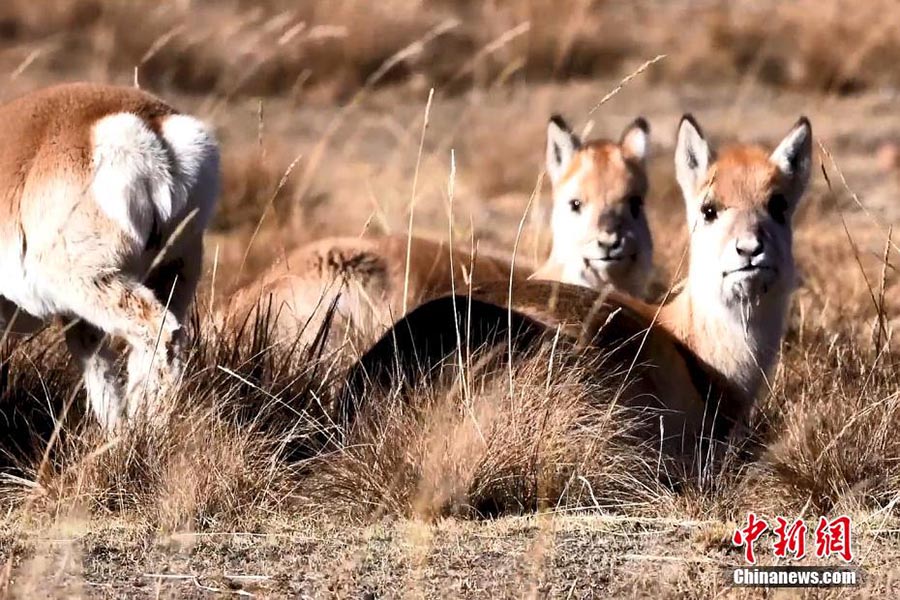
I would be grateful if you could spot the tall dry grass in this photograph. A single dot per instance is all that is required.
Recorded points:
(222, 454)
(328, 50)
(477, 448)
(250, 438)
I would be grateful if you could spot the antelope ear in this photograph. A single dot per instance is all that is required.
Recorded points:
(562, 144)
(635, 141)
(793, 156)
(692, 157)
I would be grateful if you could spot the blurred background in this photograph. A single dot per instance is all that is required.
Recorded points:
(320, 104)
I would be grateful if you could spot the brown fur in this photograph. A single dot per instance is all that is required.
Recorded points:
(666, 378)
(694, 366)
(607, 173)
(600, 236)
(742, 176)
(96, 179)
(47, 134)
(364, 277)
(591, 318)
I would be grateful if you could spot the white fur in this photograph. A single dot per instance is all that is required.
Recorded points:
(133, 180)
(692, 159)
(737, 320)
(793, 156)
(102, 388)
(22, 277)
(561, 147)
(196, 154)
(604, 215)
(80, 251)
(636, 143)
(741, 339)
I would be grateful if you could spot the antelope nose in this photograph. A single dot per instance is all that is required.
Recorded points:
(749, 246)
(610, 242)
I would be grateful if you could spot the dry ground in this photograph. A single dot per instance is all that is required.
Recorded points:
(555, 555)
(541, 493)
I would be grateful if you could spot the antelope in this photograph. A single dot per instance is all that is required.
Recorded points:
(700, 359)
(107, 193)
(600, 232)
(600, 238)
(364, 279)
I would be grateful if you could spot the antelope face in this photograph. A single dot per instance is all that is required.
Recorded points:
(740, 206)
(600, 232)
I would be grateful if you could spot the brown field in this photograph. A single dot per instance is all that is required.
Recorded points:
(319, 106)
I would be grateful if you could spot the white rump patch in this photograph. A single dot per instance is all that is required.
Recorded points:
(196, 155)
(132, 175)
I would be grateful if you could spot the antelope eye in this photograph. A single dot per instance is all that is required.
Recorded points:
(635, 203)
(575, 205)
(778, 207)
(710, 212)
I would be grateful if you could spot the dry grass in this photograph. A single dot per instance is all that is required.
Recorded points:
(481, 450)
(831, 446)
(316, 51)
(252, 451)
(220, 457)
(427, 497)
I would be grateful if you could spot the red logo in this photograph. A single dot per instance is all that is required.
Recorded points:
(791, 540)
(748, 535)
(833, 537)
